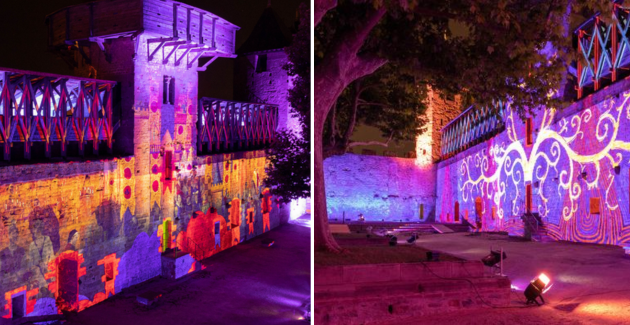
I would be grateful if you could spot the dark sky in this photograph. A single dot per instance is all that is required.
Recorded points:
(23, 35)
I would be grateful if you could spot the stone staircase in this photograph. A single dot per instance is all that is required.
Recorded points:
(534, 228)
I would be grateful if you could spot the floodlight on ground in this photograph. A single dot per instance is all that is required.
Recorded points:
(267, 242)
(536, 288)
(493, 258)
(393, 240)
(412, 239)
(433, 256)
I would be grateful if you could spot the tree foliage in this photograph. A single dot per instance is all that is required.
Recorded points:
(390, 100)
(289, 156)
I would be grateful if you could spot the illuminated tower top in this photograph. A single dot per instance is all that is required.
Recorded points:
(174, 31)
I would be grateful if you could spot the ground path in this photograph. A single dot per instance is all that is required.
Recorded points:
(246, 284)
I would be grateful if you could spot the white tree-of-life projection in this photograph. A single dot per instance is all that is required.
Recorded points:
(569, 157)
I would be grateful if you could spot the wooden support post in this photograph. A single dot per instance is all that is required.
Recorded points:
(79, 121)
(110, 123)
(6, 118)
(94, 125)
(47, 109)
(597, 56)
(62, 116)
(27, 105)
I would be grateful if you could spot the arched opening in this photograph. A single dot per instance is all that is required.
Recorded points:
(68, 282)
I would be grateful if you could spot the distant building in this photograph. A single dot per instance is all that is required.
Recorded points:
(258, 73)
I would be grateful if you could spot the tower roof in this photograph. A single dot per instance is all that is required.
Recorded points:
(268, 34)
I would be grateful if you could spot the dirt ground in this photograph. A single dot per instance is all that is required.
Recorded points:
(591, 283)
(247, 284)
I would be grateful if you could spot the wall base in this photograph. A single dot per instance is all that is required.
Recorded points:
(176, 266)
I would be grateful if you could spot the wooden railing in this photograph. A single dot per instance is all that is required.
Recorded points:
(474, 125)
(38, 107)
(603, 50)
(227, 126)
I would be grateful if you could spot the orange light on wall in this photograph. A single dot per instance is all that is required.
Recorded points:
(594, 205)
(110, 264)
(66, 269)
(266, 208)
(30, 303)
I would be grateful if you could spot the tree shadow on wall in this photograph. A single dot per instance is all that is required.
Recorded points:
(108, 218)
(46, 221)
(131, 228)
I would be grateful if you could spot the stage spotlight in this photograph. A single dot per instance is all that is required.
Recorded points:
(493, 258)
(267, 242)
(393, 241)
(412, 239)
(536, 288)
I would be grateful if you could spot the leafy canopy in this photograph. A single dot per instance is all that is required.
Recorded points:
(289, 157)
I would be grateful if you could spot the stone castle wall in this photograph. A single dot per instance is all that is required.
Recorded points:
(575, 167)
(269, 86)
(381, 188)
(74, 233)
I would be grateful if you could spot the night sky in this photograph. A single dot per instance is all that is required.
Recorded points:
(23, 36)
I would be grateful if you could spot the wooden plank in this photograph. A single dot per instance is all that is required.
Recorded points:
(117, 16)
(59, 28)
(79, 22)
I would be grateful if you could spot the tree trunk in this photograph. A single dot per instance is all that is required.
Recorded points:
(325, 97)
(340, 67)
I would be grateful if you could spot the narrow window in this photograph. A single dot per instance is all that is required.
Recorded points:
(529, 129)
(456, 211)
(261, 63)
(18, 306)
(168, 90)
(528, 198)
(168, 165)
(109, 271)
(594, 205)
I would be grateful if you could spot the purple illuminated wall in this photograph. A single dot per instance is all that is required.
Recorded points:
(379, 187)
(75, 233)
(576, 167)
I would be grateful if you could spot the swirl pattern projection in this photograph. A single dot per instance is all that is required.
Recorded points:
(575, 167)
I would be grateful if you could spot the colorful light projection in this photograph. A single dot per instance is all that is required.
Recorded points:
(570, 161)
(57, 231)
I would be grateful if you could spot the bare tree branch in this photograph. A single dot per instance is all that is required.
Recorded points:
(322, 7)
(372, 143)
(355, 106)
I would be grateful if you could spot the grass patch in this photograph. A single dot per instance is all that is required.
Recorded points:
(375, 254)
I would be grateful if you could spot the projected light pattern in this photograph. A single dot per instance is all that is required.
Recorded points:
(570, 161)
(86, 226)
